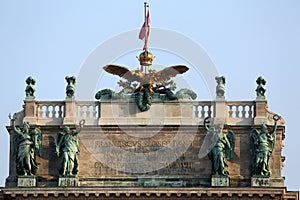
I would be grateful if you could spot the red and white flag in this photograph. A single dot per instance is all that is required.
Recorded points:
(145, 30)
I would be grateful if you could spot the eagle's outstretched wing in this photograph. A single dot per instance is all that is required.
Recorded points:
(124, 72)
(169, 72)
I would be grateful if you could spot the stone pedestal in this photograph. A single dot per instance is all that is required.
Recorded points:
(261, 111)
(67, 182)
(219, 181)
(26, 181)
(220, 111)
(70, 112)
(30, 111)
(260, 181)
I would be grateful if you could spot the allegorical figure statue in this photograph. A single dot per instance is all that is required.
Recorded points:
(220, 89)
(67, 147)
(70, 89)
(261, 88)
(220, 148)
(27, 144)
(30, 88)
(261, 147)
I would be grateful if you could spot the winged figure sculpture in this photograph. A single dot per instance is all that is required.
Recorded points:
(262, 144)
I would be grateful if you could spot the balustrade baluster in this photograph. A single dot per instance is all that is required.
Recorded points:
(250, 112)
(196, 111)
(230, 112)
(209, 111)
(237, 112)
(202, 111)
(81, 111)
(244, 111)
(60, 107)
(53, 111)
(88, 111)
(47, 111)
(40, 112)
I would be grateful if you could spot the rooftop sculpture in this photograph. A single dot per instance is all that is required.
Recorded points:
(145, 81)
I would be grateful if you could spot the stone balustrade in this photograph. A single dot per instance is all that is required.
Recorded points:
(88, 109)
(119, 111)
(203, 109)
(50, 109)
(240, 112)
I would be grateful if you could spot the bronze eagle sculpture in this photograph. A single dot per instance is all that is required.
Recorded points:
(147, 83)
(153, 76)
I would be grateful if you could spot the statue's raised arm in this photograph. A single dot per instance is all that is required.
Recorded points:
(261, 147)
(26, 146)
(275, 118)
(67, 147)
(13, 123)
(81, 124)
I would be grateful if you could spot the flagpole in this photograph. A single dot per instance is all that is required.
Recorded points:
(145, 5)
(145, 13)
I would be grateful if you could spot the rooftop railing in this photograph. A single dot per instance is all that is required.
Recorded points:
(94, 112)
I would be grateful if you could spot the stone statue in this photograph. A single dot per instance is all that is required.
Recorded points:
(220, 148)
(261, 147)
(27, 144)
(220, 89)
(70, 89)
(30, 88)
(260, 89)
(67, 147)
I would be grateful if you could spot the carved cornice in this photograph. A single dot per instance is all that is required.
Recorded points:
(158, 192)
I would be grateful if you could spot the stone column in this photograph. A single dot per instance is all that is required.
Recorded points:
(30, 112)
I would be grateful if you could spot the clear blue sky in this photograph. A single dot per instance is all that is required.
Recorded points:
(244, 39)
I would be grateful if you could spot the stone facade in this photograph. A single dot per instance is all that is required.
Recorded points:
(110, 125)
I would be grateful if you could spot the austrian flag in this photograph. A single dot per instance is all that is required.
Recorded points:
(144, 32)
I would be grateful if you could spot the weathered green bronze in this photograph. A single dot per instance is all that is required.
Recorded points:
(220, 148)
(145, 82)
(30, 88)
(261, 147)
(260, 89)
(70, 89)
(26, 145)
(67, 147)
(144, 95)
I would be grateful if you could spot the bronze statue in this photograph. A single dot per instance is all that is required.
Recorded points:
(27, 144)
(261, 88)
(220, 147)
(145, 84)
(30, 88)
(67, 147)
(261, 147)
(70, 89)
